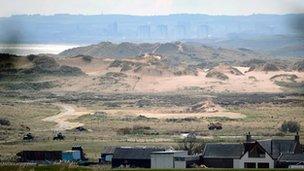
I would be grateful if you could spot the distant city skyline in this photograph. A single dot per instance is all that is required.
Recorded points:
(150, 7)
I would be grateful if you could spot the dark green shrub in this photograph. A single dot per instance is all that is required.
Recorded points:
(5, 122)
(290, 126)
(218, 75)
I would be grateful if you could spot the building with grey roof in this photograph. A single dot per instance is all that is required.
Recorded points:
(253, 154)
(133, 157)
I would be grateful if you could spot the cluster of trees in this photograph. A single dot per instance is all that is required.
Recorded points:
(290, 126)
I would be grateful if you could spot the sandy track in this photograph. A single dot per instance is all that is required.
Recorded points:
(68, 112)
(165, 114)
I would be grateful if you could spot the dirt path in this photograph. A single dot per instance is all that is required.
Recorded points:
(164, 114)
(68, 112)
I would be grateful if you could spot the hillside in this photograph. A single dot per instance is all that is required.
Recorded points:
(150, 68)
(31, 72)
(275, 45)
(175, 52)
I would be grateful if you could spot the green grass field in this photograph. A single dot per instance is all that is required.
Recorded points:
(262, 120)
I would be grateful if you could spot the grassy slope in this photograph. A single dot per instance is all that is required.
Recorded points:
(103, 132)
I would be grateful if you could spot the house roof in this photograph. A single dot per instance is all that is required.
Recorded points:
(223, 150)
(292, 158)
(277, 147)
(168, 152)
(252, 145)
(134, 152)
(109, 150)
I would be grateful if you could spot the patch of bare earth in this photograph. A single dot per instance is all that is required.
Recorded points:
(152, 79)
(164, 113)
(69, 112)
(235, 83)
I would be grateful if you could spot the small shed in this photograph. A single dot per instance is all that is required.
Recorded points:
(107, 155)
(172, 159)
(80, 149)
(71, 156)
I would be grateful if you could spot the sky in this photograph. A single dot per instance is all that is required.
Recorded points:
(150, 7)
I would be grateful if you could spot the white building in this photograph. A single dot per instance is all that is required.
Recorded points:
(254, 157)
(273, 153)
(171, 159)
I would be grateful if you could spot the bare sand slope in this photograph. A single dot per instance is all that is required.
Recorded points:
(154, 80)
(248, 83)
(68, 112)
(165, 113)
(95, 67)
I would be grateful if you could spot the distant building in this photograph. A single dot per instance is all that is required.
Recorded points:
(276, 147)
(107, 155)
(253, 154)
(39, 156)
(80, 149)
(181, 31)
(133, 157)
(144, 32)
(162, 31)
(221, 155)
(291, 161)
(71, 156)
(202, 31)
(172, 159)
(112, 30)
(74, 155)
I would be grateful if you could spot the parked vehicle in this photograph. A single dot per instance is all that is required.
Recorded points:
(28, 137)
(59, 136)
(213, 126)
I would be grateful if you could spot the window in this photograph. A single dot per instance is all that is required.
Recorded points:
(263, 165)
(249, 165)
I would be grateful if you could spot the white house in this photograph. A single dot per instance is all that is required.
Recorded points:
(273, 153)
(254, 157)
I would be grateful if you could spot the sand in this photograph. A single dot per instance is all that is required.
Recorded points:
(68, 112)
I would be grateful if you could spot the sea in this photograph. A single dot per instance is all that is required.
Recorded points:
(27, 49)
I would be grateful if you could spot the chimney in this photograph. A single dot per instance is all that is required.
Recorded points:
(248, 137)
(297, 137)
(249, 142)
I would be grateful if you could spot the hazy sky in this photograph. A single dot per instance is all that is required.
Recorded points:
(150, 7)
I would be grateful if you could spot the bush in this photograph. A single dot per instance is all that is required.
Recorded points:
(68, 70)
(179, 120)
(137, 129)
(87, 58)
(290, 126)
(5, 122)
(218, 75)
